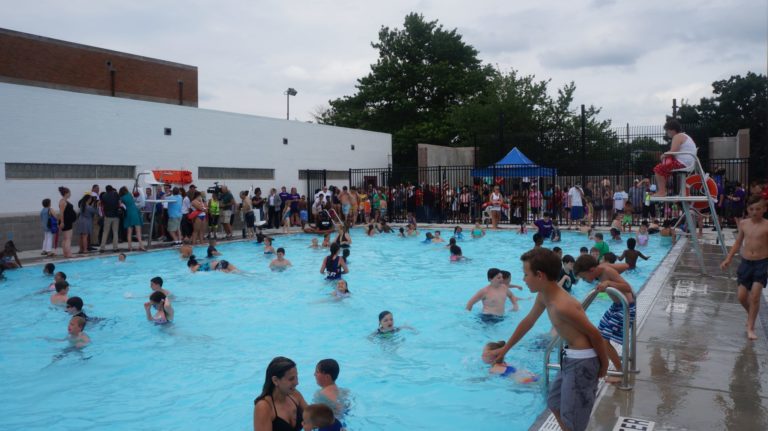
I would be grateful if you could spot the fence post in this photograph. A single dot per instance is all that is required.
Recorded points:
(583, 141)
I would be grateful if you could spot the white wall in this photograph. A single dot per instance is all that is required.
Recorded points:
(39, 125)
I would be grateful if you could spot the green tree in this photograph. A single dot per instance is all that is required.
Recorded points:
(738, 103)
(422, 71)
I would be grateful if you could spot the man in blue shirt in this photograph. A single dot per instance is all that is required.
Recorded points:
(174, 215)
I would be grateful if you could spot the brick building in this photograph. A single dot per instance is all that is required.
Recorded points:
(28, 59)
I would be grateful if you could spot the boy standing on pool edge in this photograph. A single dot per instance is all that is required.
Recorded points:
(753, 271)
(584, 361)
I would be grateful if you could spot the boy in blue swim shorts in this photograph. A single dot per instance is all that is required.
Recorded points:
(753, 271)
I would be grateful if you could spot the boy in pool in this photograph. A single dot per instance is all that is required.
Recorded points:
(503, 369)
(507, 276)
(59, 276)
(584, 250)
(320, 417)
(437, 237)
(456, 255)
(538, 240)
(612, 323)
(77, 337)
(584, 362)
(428, 238)
(156, 284)
(60, 297)
(493, 296)
(49, 269)
(314, 243)
(752, 274)
(280, 262)
(121, 257)
(326, 373)
(594, 252)
(567, 278)
(631, 255)
(601, 245)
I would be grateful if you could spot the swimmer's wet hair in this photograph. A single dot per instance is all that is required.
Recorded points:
(281, 250)
(568, 258)
(75, 302)
(493, 272)
(157, 296)
(192, 261)
(384, 314)
(455, 249)
(319, 415)
(754, 199)
(556, 249)
(60, 286)
(79, 321)
(598, 235)
(538, 238)
(157, 280)
(631, 242)
(506, 275)
(583, 250)
(49, 268)
(584, 263)
(330, 367)
(609, 257)
(543, 260)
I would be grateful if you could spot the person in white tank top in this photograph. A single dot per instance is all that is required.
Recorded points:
(680, 142)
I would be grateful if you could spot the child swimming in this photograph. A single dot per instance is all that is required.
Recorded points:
(387, 324)
(162, 304)
(503, 369)
(342, 290)
(279, 263)
(478, 231)
(268, 249)
(458, 233)
(631, 255)
(642, 234)
(456, 255)
(77, 337)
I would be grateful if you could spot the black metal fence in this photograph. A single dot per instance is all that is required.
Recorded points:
(459, 194)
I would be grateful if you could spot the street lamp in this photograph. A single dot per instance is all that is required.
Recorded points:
(288, 93)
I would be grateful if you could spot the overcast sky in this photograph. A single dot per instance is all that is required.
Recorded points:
(628, 57)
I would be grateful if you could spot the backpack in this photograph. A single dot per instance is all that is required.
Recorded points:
(53, 224)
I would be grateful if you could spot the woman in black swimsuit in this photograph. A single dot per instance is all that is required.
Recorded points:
(280, 405)
(67, 217)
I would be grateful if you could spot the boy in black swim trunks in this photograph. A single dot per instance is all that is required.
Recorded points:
(753, 270)
(572, 394)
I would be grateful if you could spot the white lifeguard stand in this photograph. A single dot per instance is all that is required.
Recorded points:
(687, 199)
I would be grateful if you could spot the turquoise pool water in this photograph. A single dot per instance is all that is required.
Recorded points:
(204, 371)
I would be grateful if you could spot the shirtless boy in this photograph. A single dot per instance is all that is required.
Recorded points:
(60, 297)
(77, 337)
(156, 284)
(753, 270)
(326, 373)
(572, 394)
(493, 296)
(280, 262)
(631, 255)
(612, 324)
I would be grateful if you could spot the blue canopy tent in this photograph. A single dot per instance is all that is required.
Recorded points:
(514, 164)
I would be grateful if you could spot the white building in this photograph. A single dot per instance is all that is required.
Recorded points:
(50, 138)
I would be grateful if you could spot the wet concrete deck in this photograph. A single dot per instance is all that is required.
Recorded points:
(698, 371)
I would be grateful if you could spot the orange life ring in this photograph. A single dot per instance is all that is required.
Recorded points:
(173, 177)
(695, 187)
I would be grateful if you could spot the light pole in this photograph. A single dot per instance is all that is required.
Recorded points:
(288, 93)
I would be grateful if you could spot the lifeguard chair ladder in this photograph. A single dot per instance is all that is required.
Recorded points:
(687, 201)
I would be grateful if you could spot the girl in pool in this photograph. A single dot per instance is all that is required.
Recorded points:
(458, 233)
(412, 230)
(326, 240)
(334, 265)
(402, 233)
(642, 234)
(162, 304)
(451, 242)
(437, 237)
(343, 238)
(342, 290)
(503, 369)
(387, 324)
(456, 253)
(478, 231)
(268, 249)
(314, 243)
(371, 231)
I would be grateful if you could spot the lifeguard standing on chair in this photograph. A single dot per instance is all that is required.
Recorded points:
(670, 163)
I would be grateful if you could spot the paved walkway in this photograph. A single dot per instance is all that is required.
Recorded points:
(698, 371)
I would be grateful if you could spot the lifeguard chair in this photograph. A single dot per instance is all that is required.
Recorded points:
(696, 192)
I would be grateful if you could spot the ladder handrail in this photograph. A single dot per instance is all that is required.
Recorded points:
(337, 220)
(628, 347)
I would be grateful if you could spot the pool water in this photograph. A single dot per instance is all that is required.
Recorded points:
(204, 370)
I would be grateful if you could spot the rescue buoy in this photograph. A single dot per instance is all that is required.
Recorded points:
(173, 177)
(695, 187)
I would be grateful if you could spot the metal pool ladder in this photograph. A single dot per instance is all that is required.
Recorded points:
(628, 348)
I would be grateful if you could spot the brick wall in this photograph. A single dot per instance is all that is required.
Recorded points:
(35, 60)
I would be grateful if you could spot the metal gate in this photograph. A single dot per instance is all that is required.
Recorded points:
(316, 179)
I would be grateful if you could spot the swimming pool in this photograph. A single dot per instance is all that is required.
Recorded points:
(204, 371)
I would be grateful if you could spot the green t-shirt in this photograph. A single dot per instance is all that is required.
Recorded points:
(602, 246)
